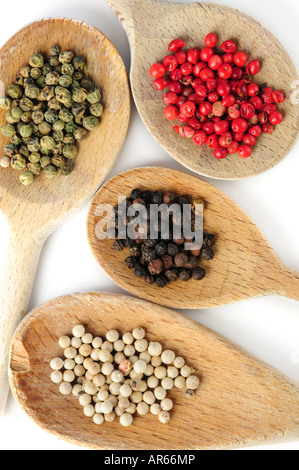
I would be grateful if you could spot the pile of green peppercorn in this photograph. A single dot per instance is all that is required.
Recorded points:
(50, 107)
(162, 261)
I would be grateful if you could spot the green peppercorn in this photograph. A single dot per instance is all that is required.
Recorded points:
(32, 92)
(70, 127)
(26, 117)
(65, 115)
(96, 109)
(8, 130)
(67, 69)
(18, 162)
(19, 80)
(35, 73)
(16, 140)
(14, 91)
(26, 178)
(66, 57)
(10, 150)
(10, 119)
(54, 61)
(58, 125)
(63, 94)
(50, 171)
(26, 104)
(80, 134)
(33, 145)
(79, 120)
(58, 161)
(55, 50)
(79, 63)
(52, 78)
(45, 161)
(69, 139)
(58, 149)
(94, 96)
(46, 93)
(70, 151)
(34, 168)
(65, 81)
(67, 168)
(79, 109)
(26, 130)
(54, 104)
(34, 157)
(36, 60)
(25, 71)
(44, 128)
(23, 149)
(90, 123)
(86, 84)
(17, 113)
(37, 116)
(51, 116)
(79, 94)
(58, 136)
(46, 68)
(78, 76)
(28, 81)
(47, 142)
(5, 103)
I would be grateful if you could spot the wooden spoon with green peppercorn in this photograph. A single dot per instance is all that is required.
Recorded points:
(244, 265)
(33, 212)
(152, 24)
(240, 400)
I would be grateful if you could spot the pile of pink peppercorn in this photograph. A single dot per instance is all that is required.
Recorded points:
(214, 97)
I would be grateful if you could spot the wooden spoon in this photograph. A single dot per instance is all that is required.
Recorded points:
(240, 402)
(34, 212)
(151, 25)
(244, 265)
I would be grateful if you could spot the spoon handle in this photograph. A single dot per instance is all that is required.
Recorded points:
(290, 284)
(16, 283)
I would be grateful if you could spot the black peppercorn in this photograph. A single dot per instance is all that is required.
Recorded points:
(167, 261)
(156, 198)
(139, 271)
(118, 245)
(135, 251)
(161, 281)
(136, 193)
(209, 240)
(207, 253)
(185, 275)
(128, 243)
(150, 243)
(155, 267)
(181, 260)
(192, 262)
(131, 262)
(149, 279)
(184, 200)
(172, 249)
(161, 249)
(198, 273)
(146, 196)
(169, 198)
(172, 274)
(148, 255)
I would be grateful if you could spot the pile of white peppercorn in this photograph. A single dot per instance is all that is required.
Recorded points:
(120, 375)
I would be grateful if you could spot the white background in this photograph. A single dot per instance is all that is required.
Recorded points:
(267, 327)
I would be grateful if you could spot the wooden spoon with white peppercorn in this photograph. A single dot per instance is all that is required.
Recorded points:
(152, 24)
(240, 400)
(32, 213)
(244, 265)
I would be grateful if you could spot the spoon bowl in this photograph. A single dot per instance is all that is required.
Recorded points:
(240, 402)
(244, 265)
(149, 42)
(32, 213)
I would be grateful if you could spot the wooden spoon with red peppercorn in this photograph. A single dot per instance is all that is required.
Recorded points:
(244, 265)
(152, 25)
(240, 401)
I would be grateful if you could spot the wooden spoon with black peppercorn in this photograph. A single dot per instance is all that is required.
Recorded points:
(32, 213)
(240, 401)
(152, 24)
(243, 265)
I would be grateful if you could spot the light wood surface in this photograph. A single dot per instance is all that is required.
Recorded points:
(32, 213)
(240, 402)
(151, 25)
(244, 265)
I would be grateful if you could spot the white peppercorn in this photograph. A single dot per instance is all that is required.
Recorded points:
(106, 407)
(155, 409)
(69, 364)
(77, 390)
(164, 417)
(97, 342)
(152, 382)
(156, 361)
(79, 370)
(168, 356)
(149, 398)
(112, 336)
(160, 393)
(99, 380)
(98, 418)
(79, 359)
(65, 388)
(78, 331)
(138, 333)
(107, 368)
(85, 350)
(192, 382)
(90, 388)
(128, 338)
(136, 397)
(123, 403)
(166, 404)
(126, 419)
(131, 409)
(167, 383)
(155, 349)
(141, 345)
(119, 357)
(64, 342)
(139, 367)
(108, 346)
(129, 350)
(145, 356)
(68, 376)
(119, 345)
(186, 371)
(160, 372)
(125, 390)
(104, 355)
(56, 363)
(87, 338)
(56, 377)
(180, 382)
(89, 410)
(76, 343)
(179, 362)
(117, 376)
(109, 417)
(172, 372)
(142, 408)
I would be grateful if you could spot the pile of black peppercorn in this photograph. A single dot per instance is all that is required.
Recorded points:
(162, 261)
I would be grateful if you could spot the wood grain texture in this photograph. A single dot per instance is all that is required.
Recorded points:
(244, 266)
(240, 402)
(32, 213)
(149, 41)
